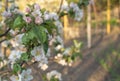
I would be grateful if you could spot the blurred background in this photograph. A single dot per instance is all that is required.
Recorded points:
(99, 31)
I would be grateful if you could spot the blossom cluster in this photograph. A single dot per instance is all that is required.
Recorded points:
(73, 9)
(54, 74)
(30, 37)
(24, 76)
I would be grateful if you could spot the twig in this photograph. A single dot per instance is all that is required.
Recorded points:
(60, 6)
(2, 40)
(5, 33)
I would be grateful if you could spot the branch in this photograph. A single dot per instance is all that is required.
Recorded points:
(60, 7)
(2, 40)
(5, 33)
(6, 5)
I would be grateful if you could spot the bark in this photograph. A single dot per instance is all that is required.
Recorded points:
(108, 17)
(89, 26)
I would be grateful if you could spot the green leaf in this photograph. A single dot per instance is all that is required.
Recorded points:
(24, 57)
(104, 64)
(45, 46)
(25, 39)
(54, 79)
(77, 44)
(62, 14)
(18, 22)
(29, 36)
(39, 32)
(44, 77)
(16, 68)
(43, 10)
(49, 25)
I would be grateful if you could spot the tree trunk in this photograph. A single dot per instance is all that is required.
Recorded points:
(108, 17)
(6, 5)
(119, 10)
(89, 26)
(65, 26)
(95, 14)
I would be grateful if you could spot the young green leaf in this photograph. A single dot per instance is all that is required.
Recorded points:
(18, 22)
(16, 68)
(24, 57)
(40, 33)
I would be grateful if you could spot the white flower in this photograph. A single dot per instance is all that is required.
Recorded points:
(14, 55)
(73, 5)
(50, 16)
(43, 66)
(58, 47)
(52, 41)
(3, 63)
(7, 13)
(12, 32)
(18, 38)
(27, 19)
(67, 51)
(65, 6)
(36, 6)
(26, 75)
(5, 44)
(38, 53)
(36, 13)
(62, 62)
(55, 74)
(14, 78)
(54, 16)
(46, 16)
(59, 39)
(59, 56)
(38, 20)
(59, 25)
(17, 41)
(79, 15)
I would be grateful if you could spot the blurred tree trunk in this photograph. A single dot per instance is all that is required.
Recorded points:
(95, 13)
(89, 25)
(6, 5)
(108, 17)
(65, 26)
(119, 10)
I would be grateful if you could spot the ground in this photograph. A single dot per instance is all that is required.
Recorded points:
(89, 68)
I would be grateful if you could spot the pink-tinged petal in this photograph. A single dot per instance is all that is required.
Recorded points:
(38, 20)
(36, 7)
(28, 10)
(27, 19)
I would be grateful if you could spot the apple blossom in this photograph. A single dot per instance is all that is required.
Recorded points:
(28, 10)
(27, 19)
(14, 55)
(36, 6)
(26, 75)
(38, 20)
(14, 78)
(7, 14)
(55, 74)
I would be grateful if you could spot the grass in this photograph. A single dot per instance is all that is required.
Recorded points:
(111, 63)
